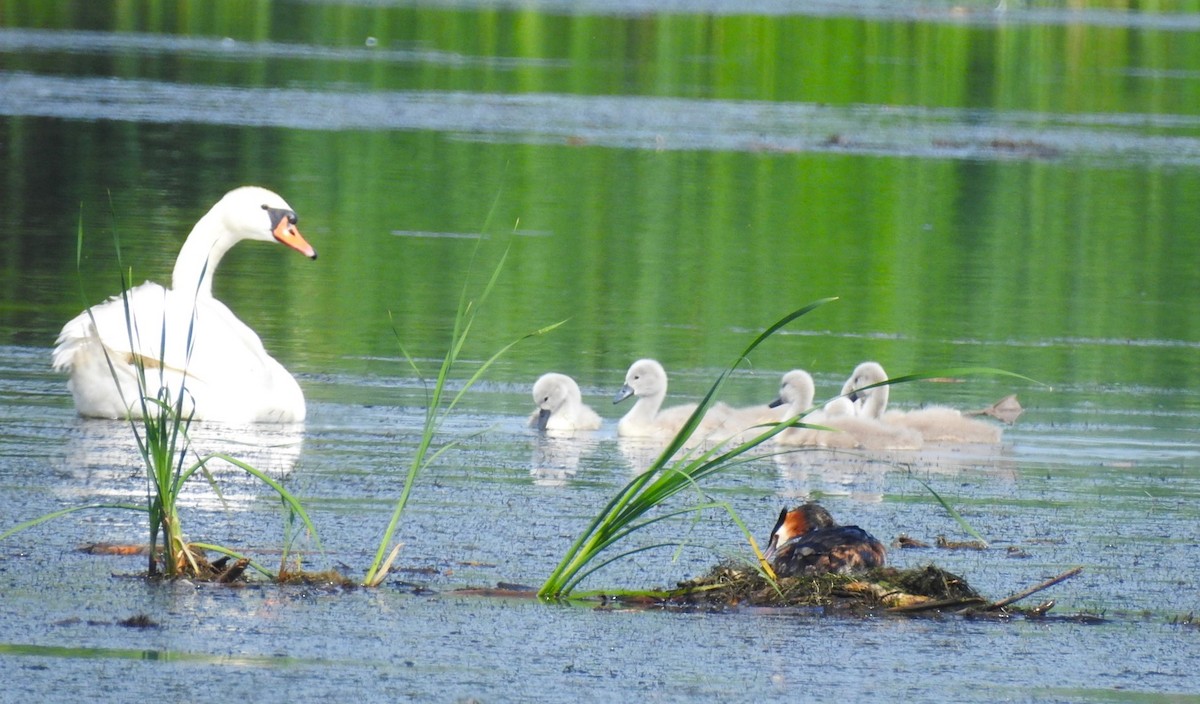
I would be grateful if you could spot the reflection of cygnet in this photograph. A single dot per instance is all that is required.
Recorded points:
(647, 380)
(934, 423)
(560, 405)
(846, 431)
(556, 456)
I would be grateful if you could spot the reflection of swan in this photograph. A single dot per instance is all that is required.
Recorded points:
(934, 423)
(641, 452)
(813, 473)
(104, 461)
(845, 431)
(556, 457)
(560, 405)
(647, 380)
(229, 376)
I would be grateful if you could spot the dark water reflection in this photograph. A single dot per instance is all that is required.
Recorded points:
(1005, 189)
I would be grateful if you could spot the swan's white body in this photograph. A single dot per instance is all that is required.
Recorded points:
(228, 375)
(944, 424)
(743, 424)
(647, 380)
(846, 431)
(560, 405)
(934, 423)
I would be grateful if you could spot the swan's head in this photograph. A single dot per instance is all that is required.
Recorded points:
(798, 521)
(253, 213)
(551, 392)
(795, 391)
(645, 378)
(872, 400)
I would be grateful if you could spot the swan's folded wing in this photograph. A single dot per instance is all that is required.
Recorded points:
(122, 336)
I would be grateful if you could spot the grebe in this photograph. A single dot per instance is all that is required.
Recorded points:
(807, 541)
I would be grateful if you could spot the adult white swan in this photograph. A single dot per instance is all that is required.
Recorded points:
(228, 375)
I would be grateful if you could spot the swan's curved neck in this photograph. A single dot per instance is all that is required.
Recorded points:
(646, 408)
(200, 255)
(876, 403)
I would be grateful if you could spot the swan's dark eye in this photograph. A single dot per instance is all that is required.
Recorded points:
(279, 214)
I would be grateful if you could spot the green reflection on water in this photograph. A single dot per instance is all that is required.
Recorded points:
(1078, 273)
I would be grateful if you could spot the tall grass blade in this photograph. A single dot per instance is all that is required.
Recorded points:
(435, 414)
(65, 511)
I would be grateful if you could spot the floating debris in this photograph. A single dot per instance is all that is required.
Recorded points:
(942, 542)
(138, 621)
(1006, 410)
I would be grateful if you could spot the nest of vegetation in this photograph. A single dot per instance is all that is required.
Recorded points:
(926, 589)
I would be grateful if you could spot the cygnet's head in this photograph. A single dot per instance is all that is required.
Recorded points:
(551, 392)
(795, 391)
(873, 401)
(645, 377)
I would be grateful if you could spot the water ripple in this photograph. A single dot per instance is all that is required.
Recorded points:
(27, 41)
(620, 121)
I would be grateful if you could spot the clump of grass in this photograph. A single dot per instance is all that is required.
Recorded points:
(161, 433)
(437, 409)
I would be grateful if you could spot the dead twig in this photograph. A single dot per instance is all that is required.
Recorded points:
(1034, 590)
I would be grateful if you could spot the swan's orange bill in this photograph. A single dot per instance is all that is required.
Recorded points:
(286, 232)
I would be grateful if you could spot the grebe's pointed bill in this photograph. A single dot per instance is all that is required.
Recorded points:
(773, 541)
(283, 228)
(543, 419)
(625, 392)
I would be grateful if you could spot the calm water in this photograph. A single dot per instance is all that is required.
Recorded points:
(1008, 189)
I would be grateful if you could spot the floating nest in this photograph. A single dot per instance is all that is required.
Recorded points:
(926, 589)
